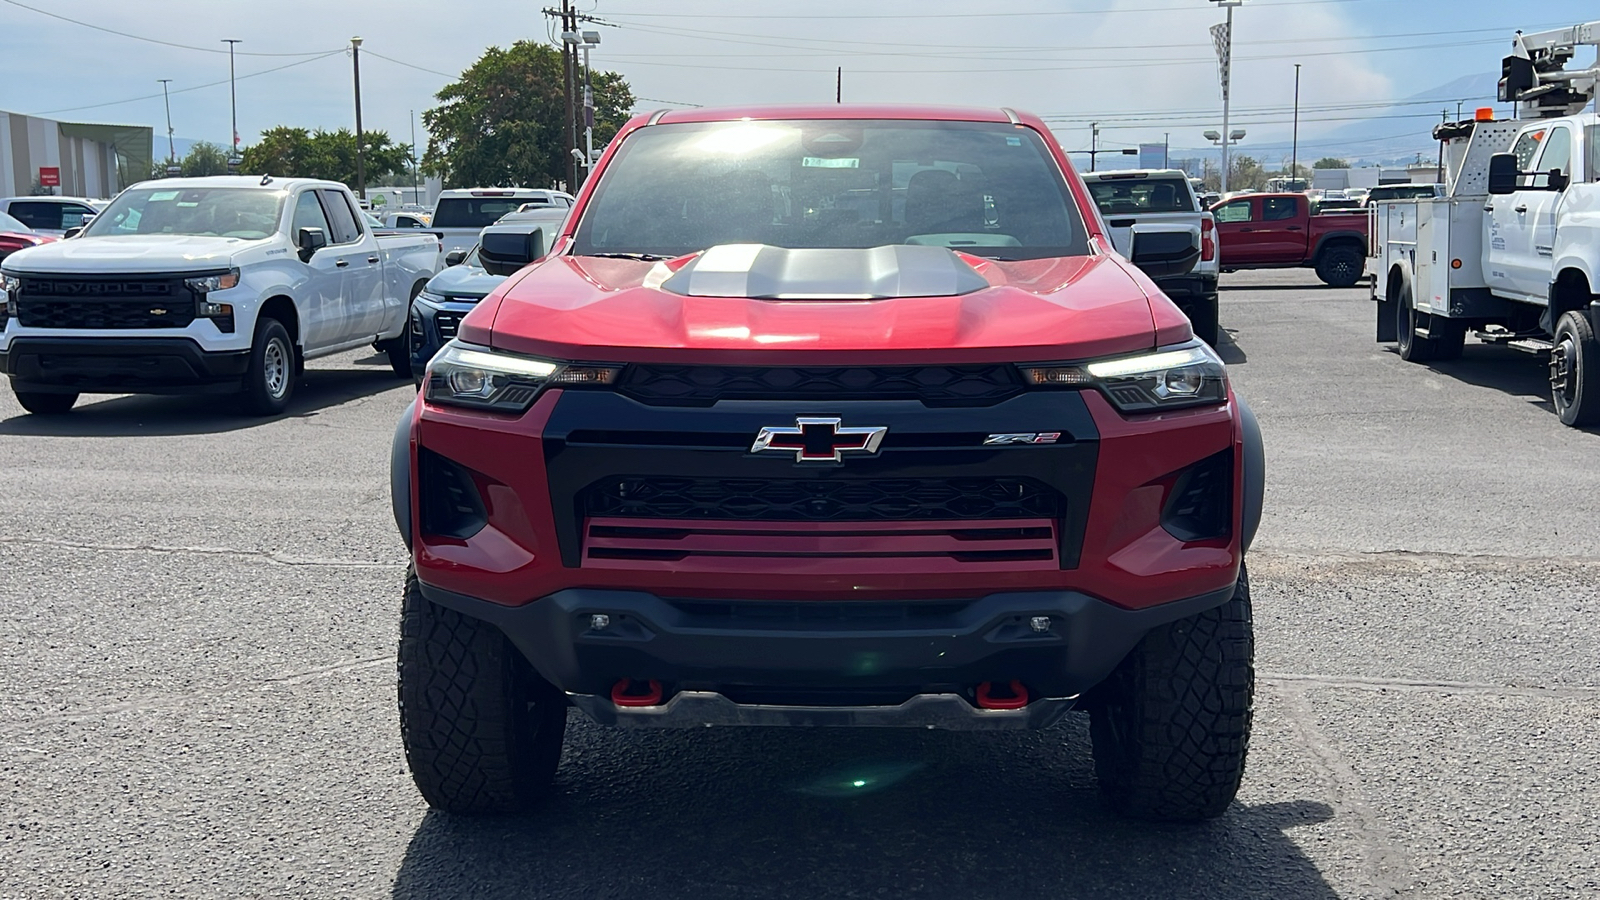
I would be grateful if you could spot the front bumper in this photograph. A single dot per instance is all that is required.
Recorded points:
(858, 663)
(121, 365)
(432, 325)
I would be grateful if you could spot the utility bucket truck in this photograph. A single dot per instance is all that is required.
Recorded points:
(1511, 253)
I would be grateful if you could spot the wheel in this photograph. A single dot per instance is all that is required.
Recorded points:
(269, 380)
(1412, 348)
(482, 731)
(1341, 266)
(43, 404)
(399, 350)
(1171, 726)
(1574, 371)
(1203, 319)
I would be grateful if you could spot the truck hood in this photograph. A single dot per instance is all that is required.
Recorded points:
(129, 253)
(588, 308)
(464, 283)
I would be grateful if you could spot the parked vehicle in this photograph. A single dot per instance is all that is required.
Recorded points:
(1358, 194)
(16, 236)
(1512, 252)
(1404, 192)
(406, 220)
(51, 216)
(1276, 231)
(469, 276)
(769, 456)
(1147, 197)
(459, 215)
(222, 284)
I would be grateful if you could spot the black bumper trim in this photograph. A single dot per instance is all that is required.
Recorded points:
(121, 365)
(764, 648)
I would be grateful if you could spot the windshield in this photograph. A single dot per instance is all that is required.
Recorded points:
(9, 224)
(472, 212)
(986, 189)
(250, 214)
(1122, 196)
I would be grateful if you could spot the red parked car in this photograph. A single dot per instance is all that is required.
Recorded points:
(1278, 231)
(832, 415)
(16, 236)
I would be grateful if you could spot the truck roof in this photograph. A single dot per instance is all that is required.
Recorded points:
(1114, 174)
(240, 181)
(839, 111)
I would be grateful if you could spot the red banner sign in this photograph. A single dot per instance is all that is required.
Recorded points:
(49, 176)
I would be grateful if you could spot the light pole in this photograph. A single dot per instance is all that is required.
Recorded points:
(361, 169)
(1094, 143)
(1234, 137)
(1294, 146)
(172, 152)
(1222, 38)
(416, 175)
(591, 39)
(233, 102)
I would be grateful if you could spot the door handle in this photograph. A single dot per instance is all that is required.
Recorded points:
(372, 259)
(342, 263)
(1247, 231)
(1521, 208)
(1294, 228)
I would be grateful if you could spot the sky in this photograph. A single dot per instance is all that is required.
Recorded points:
(1143, 69)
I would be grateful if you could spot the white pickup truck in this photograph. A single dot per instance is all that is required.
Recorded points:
(221, 285)
(460, 213)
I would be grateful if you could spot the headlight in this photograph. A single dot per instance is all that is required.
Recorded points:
(431, 297)
(1172, 378)
(222, 281)
(13, 287)
(480, 378)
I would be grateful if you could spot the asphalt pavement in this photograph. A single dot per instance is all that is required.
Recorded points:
(199, 610)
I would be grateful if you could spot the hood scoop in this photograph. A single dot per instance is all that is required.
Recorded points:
(761, 272)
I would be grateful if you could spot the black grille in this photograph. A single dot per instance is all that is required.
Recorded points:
(448, 324)
(105, 303)
(865, 500)
(662, 385)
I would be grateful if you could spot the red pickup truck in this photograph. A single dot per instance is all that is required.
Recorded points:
(1279, 231)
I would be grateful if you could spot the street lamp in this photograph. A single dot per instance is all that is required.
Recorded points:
(1222, 39)
(172, 153)
(361, 169)
(233, 103)
(1234, 137)
(591, 39)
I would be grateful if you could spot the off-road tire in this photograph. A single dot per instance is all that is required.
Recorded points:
(1575, 392)
(1171, 726)
(45, 404)
(269, 379)
(1340, 266)
(482, 731)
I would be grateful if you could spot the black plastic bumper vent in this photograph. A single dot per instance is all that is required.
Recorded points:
(832, 500)
(451, 503)
(1201, 504)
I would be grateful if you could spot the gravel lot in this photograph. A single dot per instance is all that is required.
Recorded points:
(199, 610)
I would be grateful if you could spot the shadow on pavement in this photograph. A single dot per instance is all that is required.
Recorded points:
(1229, 349)
(785, 814)
(1309, 286)
(157, 415)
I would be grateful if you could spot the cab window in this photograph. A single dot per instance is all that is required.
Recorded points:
(308, 214)
(1557, 151)
(1237, 211)
(1524, 150)
(341, 217)
(1276, 209)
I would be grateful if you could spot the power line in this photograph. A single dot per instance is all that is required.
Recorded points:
(399, 62)
(972, 15)
(197, 87)
(148, 40)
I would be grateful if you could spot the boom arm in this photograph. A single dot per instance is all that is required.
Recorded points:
(1534, 75)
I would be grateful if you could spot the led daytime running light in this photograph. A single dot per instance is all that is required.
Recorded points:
(1151, 363)
(499, 362)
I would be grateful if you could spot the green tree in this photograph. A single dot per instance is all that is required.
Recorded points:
(205, 158)
(1330, 162)
(331, 155)
(501, 124)
(1245, 173)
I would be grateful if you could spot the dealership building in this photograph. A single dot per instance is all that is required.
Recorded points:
(93, 161)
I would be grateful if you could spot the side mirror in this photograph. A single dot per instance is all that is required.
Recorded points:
(71, 232)
(1163, 251)
(310, 240)
(1558, 180)
(1503, 173)
(503, 253)
(454, 257)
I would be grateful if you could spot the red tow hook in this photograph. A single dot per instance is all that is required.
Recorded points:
(628, 692)
(1002, 696)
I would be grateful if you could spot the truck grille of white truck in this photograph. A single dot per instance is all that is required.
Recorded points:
(110, 302)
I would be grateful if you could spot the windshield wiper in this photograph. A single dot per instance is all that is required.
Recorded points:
(641, 257)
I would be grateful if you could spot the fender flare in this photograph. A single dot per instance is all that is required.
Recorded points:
(1354, 237)
(400, 472)
(1253, 467)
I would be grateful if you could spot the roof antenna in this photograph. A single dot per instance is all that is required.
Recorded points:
(266, 180)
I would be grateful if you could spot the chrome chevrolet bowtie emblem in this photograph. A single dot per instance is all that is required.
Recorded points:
(819, 440)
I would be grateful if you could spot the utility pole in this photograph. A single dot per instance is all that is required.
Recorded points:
(1444, 118)
(838, 86)
(591, 39)
(569, 33)
(1294, 152)
(1222, 38)
(172, 153)
(1094, 143)
(233, 101)
(416, 175)
(1166, 150)
(361, 168)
